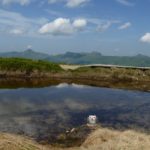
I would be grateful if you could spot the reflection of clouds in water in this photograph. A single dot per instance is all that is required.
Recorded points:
(10, 106)
(36, 111)
(65, 85)
(31, 111)
(78, 86)
(75, 105)
(25, 125)
(3, 91)
(62, 85)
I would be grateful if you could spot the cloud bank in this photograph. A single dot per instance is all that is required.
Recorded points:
(63, 26)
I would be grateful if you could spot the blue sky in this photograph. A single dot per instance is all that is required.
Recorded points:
(112, 27)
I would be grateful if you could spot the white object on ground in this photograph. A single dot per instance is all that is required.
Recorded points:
(92, 119)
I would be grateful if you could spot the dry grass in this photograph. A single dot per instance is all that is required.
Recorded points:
(100, 139)
(105, 139)
(14, 142)
(70, 67)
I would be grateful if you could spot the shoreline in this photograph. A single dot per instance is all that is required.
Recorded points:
(55, 80)
(98, 138)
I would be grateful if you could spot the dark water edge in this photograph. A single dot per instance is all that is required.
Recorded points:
(14, 83)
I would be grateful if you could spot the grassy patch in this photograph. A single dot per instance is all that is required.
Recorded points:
(113, 73)
(28, 65)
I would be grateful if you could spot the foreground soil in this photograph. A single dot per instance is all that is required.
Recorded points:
(99, 139)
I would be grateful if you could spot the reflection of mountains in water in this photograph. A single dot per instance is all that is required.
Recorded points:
(43, 113)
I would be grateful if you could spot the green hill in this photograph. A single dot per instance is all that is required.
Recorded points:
(97, 58)
(83, 58)
(25, 54)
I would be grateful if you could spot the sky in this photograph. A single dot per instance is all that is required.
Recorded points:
(111, 27)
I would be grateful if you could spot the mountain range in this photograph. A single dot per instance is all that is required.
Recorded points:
(83, 58)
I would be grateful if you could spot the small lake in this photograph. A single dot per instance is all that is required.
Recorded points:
(41, 112)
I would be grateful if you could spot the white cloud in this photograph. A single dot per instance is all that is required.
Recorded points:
(15, 23)
(125, 26)
(145, 38)
(125, 2)
(60, 26)
(70, 3)
(63, 26)
(75, 3)
(101, 24)
(21, 2)
(29, 46)
(17, 31)
(104, 26)
(80, 23)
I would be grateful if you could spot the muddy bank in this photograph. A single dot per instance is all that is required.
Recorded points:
(122, 78)
(11, 82)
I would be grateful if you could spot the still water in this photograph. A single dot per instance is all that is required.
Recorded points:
(46, 111)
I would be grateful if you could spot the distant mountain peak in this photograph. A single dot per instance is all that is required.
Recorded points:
(96, 53)
(73, 54)
(29, 51)
(141, 55)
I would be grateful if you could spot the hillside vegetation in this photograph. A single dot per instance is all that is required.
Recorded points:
(98, 58)
(113, 73)
(27, 65)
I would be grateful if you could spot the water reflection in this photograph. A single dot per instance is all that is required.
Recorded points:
(44, 112)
